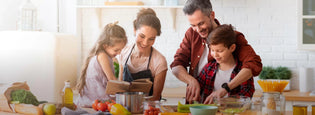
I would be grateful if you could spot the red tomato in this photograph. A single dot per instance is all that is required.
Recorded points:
(112, 101)
(102, 107)
(106, 102)
(150, 112)
(109, 106)
(94, 105)
(146, 112)
(155, 113)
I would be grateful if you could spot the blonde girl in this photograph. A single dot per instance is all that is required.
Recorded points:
(98, 67)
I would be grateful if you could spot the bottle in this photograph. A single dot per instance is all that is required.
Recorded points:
(67, 96)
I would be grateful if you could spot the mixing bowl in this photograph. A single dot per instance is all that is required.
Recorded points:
(233, 104)
(203, 110)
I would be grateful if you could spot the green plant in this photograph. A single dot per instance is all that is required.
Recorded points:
(283, 73)
(267, 73)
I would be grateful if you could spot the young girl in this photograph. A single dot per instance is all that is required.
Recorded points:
(98, 67)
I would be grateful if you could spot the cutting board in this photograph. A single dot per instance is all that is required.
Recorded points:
(138, 3)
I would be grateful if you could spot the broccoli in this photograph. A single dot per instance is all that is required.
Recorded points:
(24, 96)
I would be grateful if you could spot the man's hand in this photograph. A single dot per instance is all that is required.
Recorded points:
(193, 91)
(217, 94)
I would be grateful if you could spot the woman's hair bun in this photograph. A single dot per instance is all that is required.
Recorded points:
(145, 11)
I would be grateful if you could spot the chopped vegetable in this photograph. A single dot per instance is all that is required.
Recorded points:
(23, 96)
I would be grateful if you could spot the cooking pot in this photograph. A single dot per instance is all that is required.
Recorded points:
(132, 100)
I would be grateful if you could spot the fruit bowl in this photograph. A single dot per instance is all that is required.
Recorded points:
(233, 104)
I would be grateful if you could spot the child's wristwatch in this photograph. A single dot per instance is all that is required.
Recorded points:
(226, 87)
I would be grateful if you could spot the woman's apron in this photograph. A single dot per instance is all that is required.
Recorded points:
(128, 76)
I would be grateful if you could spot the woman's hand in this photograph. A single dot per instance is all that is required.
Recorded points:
(217, 94)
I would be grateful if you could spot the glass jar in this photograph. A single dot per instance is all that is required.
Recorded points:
(299, 109)
(313, 109)
(273, 103)
(151, 107)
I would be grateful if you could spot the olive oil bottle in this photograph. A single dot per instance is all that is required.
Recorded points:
(67, 96)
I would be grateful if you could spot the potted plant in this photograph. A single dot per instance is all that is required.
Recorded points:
(282, 73)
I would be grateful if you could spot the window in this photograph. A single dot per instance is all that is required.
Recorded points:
(306, 14)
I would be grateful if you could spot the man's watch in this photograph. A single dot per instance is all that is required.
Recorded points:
(226, 87)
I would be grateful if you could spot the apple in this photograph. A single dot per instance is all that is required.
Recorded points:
(49, 109)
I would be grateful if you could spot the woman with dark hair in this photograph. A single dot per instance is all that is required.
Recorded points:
(141, 59)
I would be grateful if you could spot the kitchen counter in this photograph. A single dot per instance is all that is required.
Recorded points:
(248, 112)
(292, 95)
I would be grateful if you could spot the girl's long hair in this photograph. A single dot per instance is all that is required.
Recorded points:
(111, 34)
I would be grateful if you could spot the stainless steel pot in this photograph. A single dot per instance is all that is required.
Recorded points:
(131, 100)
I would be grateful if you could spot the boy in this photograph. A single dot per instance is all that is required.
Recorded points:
(216, 75)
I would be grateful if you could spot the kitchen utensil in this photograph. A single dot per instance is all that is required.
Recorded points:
(203, 110)
(131, 100)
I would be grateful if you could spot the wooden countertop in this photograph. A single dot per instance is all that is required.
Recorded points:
(292, 95)
(248, 112)
(177, 92)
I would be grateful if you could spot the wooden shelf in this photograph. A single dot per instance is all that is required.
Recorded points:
(98, 8)
(292, 95)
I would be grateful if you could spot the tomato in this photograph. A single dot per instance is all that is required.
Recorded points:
(146, 112)
(112, 101)
(102, 107)
(155, 113)
(150, 112)
(94, 105)
(109, 106)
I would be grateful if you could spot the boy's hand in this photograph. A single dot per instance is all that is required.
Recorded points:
(217, 94)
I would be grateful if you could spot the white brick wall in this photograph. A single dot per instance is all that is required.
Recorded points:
(269, 26)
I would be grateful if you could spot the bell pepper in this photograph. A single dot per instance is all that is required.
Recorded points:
(118, 109)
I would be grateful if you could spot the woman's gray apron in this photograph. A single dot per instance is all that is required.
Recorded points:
(128, 76)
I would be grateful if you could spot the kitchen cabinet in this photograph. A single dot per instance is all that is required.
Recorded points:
(306, 24)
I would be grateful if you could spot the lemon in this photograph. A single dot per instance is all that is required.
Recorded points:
(49, 109)
(15, 102)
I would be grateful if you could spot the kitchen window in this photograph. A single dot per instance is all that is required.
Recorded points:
(306, 24)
